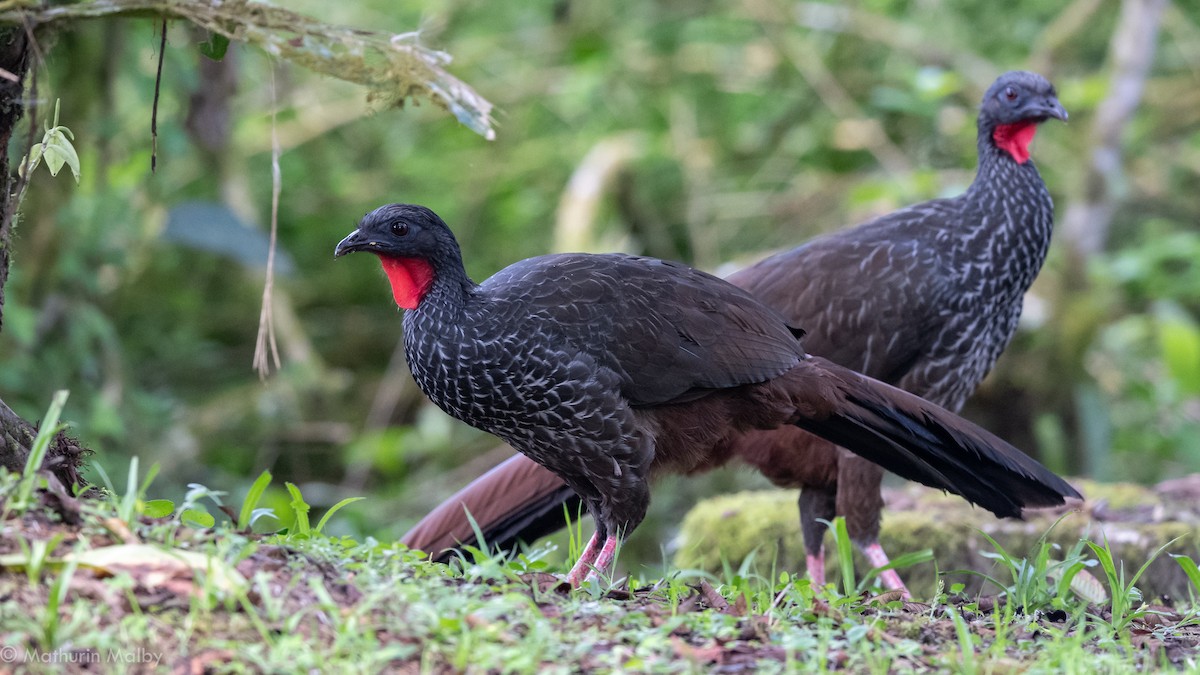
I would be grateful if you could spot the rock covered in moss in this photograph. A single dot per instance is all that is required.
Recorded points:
(1135, 521)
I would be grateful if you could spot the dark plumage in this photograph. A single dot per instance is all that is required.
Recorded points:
(608, 369)
(925, 298)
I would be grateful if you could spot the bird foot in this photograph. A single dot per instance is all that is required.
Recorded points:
(816, 567)
(891, 580)
(584, 567)
(594, 561)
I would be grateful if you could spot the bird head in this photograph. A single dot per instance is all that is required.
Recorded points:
(1013, 107)
(411, 242)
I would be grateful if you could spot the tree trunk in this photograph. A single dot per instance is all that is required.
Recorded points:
(14, 58)
(16, 435)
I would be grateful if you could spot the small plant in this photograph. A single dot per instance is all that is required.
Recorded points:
(1124, 594)
(191, 512)
(130, 504)
(966, 642)
(55, 148)
(300, 509)
(486, 562)
(36, 555)
(23, 499)
(51, 622)
(845, 548)
(1040, 581)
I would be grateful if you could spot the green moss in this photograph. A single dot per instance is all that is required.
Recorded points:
(1118, 495)
(726, 530)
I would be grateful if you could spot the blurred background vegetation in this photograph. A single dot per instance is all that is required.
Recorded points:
(702, 131)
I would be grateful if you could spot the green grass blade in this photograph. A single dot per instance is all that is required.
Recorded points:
(334, 509)
(41, 445)
(252, 498)
(845, 549)
(480, 542)
(1153, 556)
(129, 500)
(151, 474)
(898, 563)
(966, 642)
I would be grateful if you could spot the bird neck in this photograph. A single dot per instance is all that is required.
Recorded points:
(1015, 139)
(1010, 209)
(417, 282)
(410, 278)
(1005, 169)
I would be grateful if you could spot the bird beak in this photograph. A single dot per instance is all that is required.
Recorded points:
(1052, 108)
(355, 241)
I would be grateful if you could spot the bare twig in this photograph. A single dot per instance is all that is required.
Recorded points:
(162, 50)
(266, 322)
(1087, 219)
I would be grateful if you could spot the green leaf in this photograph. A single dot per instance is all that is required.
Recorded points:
(215, 47)
(58, 151)
(261, 513)
(158, 508)
(252, 498)
(198, 518)
(1179, 340)
(1191, 570)
(31, 160)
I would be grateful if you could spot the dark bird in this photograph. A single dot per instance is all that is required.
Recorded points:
(611, 369)
(925, 298)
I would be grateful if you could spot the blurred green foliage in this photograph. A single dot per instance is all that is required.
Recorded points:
(712, 132)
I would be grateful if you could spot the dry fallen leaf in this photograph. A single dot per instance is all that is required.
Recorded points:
(706, 654)
(155, 567)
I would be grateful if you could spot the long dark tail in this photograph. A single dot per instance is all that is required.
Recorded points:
(911, 437)
(920, 441)
(516, 501)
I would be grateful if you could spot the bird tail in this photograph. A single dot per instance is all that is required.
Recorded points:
(923, 442)
(518, 500)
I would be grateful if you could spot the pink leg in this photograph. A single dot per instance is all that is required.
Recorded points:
(875, 555)
(816, 567)
(604, 561)
(586, 561)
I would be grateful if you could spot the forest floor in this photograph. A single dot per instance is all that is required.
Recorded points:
(95, 585)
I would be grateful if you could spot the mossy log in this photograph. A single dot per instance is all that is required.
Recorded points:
(1135, 521)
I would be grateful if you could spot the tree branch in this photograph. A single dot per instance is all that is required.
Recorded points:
(393, 67)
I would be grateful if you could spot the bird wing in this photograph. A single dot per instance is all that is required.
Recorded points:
(670, 332)
(846, 290)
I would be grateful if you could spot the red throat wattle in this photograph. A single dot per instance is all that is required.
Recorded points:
(1014, 139)
(410, 279)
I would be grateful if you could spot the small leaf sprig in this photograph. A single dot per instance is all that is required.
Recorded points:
(55, 148)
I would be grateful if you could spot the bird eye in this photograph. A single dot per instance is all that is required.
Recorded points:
(399, 229)
(1010, 93)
